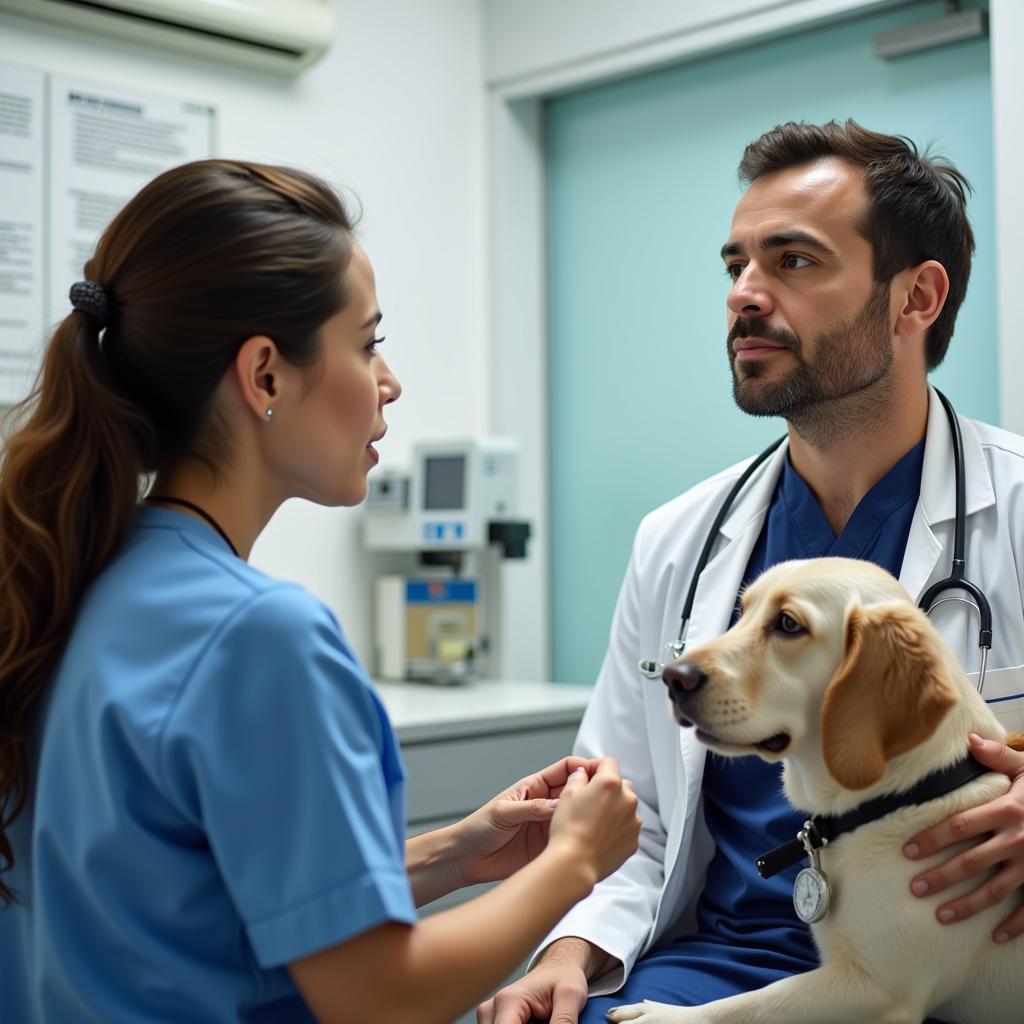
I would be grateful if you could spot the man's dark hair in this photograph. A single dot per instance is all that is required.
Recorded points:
(917, 203)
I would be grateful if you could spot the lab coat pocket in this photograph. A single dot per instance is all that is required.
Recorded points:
(1004, 694)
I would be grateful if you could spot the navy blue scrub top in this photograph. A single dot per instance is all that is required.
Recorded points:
(745, 922)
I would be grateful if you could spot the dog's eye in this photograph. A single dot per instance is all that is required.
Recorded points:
(785, 623)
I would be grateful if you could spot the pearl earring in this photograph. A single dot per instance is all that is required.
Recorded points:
(270, 414)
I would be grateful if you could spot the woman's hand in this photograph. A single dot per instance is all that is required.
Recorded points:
(510, 830)
(596, 824)
(999, 825)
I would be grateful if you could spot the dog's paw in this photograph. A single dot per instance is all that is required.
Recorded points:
(620, 1013)
(648, 1012)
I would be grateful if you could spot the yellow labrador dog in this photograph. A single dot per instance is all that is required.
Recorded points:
(832, 668)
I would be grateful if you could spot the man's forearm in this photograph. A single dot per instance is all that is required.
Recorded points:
(593, 960)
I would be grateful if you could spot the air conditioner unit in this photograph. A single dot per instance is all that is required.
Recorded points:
(282, 35)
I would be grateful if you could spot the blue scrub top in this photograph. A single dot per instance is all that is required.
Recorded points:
(218, 792)
(747, 928)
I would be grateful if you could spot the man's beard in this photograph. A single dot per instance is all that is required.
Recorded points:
(835, 394)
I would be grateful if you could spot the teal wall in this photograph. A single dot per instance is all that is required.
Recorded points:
(641, 182)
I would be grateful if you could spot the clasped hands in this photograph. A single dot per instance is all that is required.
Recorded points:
(512, 828)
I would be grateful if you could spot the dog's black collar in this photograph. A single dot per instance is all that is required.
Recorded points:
(823, 829)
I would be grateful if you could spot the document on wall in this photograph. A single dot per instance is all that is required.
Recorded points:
(106, 143)
(22, 239)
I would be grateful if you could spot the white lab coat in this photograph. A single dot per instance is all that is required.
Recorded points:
(653, 895)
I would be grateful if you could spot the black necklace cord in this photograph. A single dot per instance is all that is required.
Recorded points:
(193, 507)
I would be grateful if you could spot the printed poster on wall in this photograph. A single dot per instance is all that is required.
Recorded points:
(22, 232)
(106, 143)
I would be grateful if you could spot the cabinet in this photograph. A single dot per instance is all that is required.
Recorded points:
(463, 745)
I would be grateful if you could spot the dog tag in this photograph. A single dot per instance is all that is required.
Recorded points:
(811, 895)
(811, 892)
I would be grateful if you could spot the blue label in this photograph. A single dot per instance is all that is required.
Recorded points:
(440, 591)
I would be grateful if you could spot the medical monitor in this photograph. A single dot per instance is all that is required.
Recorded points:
(444, 482)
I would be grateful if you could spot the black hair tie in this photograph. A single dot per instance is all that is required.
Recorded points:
(90, 297)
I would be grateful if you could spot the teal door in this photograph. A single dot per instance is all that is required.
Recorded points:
(641, 182)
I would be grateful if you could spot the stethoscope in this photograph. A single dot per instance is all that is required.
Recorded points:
(956, 580)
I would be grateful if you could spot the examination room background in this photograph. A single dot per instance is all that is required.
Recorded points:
(641, 184)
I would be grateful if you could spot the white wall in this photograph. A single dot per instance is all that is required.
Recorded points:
(396, 113)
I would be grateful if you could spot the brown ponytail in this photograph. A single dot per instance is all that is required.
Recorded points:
(205, 256)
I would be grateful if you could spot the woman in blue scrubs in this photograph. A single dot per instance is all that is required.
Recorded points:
(201, 798)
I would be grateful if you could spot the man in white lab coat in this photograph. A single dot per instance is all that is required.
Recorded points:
(849, 255)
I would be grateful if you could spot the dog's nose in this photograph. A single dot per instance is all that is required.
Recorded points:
(683, 678)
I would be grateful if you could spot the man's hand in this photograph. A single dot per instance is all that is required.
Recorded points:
(999, 826)
(555, 990)
(510, 830)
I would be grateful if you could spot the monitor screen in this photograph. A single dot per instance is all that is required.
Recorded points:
(445, 482)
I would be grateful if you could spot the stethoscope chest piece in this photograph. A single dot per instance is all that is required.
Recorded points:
(651, 669)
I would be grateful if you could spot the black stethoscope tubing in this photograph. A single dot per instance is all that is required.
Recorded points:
(956, 580)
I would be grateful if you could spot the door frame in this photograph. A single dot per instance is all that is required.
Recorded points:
(517, 226)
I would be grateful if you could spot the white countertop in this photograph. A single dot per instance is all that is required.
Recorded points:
(422, 712)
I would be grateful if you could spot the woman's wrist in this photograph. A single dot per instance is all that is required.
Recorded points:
(457, 851)
(577, 874)
(434, 863)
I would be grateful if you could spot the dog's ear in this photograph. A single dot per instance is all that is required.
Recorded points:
(1015, 741)
(888, 695)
